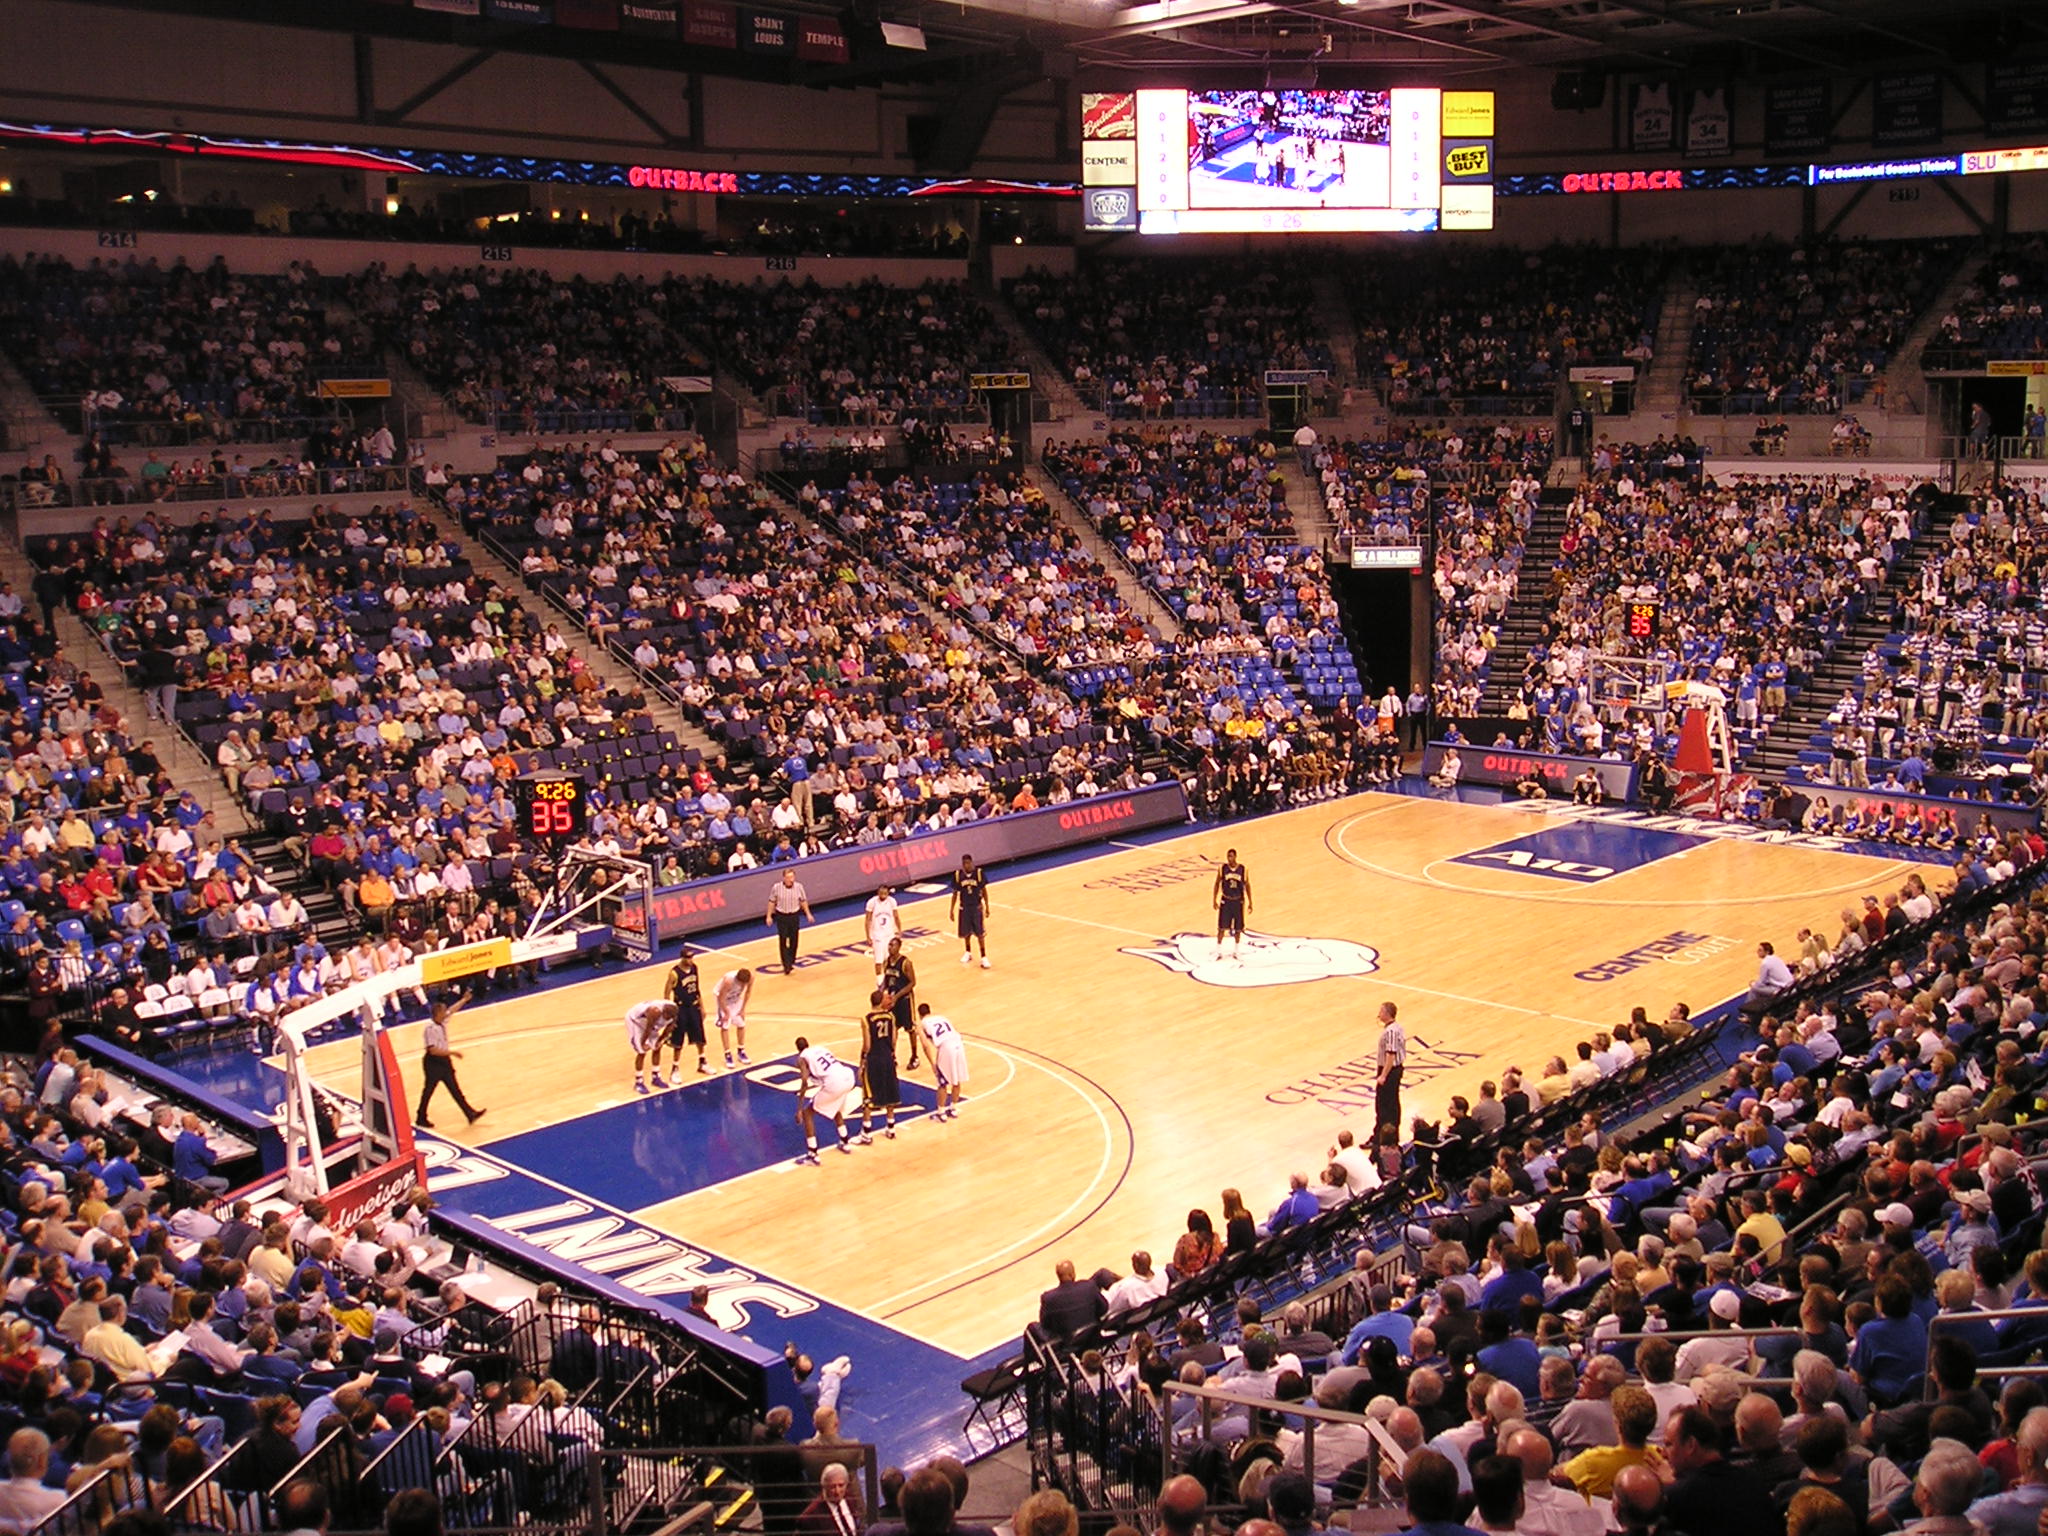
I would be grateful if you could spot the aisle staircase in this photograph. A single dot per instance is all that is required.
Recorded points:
(1049, 385)
(1130, 585)
(1339, 329)
(1527, 618)
(1905, 382)
(1660, 392)
(1806, 712)
(30, 427)
(617, 674)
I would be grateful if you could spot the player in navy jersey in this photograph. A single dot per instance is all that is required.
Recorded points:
(686, 992)
(970, 906)
(879, 1088)
(1233, 898)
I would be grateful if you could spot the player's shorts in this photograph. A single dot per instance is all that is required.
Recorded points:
(838, 1094)
(646, 1034)
(901, 1008)
(732, 1018)
(1230, 917)
(689, 1027)
(970, 922)
(950, 1061)
(880, 946)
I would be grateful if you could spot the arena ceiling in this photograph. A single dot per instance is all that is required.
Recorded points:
(1229, 41)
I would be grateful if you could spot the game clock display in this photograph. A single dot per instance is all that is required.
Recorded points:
(1642, 621)
(552, 809)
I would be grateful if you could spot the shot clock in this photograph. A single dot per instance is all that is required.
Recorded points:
(552, 809)
(1642, 621)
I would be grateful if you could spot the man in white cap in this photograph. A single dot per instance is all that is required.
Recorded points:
(1726, 1343)
(1972, 1228)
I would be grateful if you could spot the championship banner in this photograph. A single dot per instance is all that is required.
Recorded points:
(525, 13)
(1905, 110)
(2015, 98)
(727, 899)
(1652, 123)
(1797, 117)
(1505, 767)
(1709, 125)
(450, 7)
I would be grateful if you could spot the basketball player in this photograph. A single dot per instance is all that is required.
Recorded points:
(730, 1001)
(1233, 898)
(969, 904)
(878, 1084)
(881, 926)
(686, 992)
(899, 988)
(949, 1059)
(647, 1026)
(828, 1088)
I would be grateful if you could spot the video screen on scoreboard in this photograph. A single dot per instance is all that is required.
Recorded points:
(1272, 161)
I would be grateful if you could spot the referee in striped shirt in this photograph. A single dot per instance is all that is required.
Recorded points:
(438, 1065)
(788, 905)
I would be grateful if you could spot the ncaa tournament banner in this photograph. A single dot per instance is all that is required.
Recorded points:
(1797, 117)
(2016, 98)
(1709, 125)
(711, 24)
(450, 7)
(1505, 767)
(525, 13)
(1905, 110)
(649, 18)
(1652, 122)
(724, 900)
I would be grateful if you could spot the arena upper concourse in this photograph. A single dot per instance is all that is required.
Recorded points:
(1023, 767)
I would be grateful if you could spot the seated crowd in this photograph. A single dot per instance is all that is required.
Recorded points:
(1189, 337)
(1490, 330)
(1755, 578)
(149, 1335)
(1999, 315)
(369, 697)
(847, 714)
(133, 352)
(1809, 328)
(526, 351)
(1771, 1308)
(1960, 682)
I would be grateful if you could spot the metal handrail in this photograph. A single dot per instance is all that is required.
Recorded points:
(1309, 1412)
(1777, 1332)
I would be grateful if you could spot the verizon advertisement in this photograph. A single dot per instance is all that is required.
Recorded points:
(685, 909)
(1508, 766)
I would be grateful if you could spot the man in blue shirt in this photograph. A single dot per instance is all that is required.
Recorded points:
(192, 1159)
(1380, 1321)
(1297, 1209)
(1890, 1351)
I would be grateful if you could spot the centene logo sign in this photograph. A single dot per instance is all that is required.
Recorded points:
(1625, 181)
(668, 179)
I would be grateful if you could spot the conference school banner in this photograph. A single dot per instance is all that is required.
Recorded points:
(728, 899)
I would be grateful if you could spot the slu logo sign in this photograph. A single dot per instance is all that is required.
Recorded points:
(1266, 959)
(1538, 864)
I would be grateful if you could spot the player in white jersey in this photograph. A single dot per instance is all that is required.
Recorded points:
(730, 1002)
(948, 1054)
(881, 925)
(830, 1088)
(647, 1026)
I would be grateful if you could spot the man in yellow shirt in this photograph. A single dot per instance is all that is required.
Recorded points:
(1768, 1231)
(1592, 1471)
(111, 1345)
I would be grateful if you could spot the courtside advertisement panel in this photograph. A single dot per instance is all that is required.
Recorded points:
(683, 909)
(1506, 767)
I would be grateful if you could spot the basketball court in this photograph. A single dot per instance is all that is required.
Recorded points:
(1121, 1071)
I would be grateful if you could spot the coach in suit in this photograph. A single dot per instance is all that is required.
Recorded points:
(836, 1511)
(1071, 1307)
